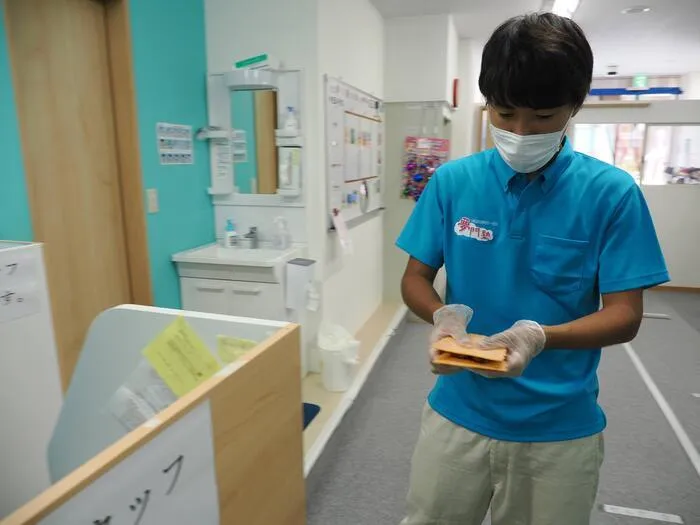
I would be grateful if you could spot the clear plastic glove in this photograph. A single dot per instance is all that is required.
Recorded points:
(524, 340)
(449, 321)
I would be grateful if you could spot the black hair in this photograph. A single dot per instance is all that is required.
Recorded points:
(538, 60)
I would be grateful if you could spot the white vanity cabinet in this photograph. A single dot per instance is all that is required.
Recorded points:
(240, 298)
(240, 282)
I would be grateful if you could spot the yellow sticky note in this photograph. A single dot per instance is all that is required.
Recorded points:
(181, 358)
(231, 348)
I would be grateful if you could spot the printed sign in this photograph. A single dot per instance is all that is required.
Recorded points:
(18, 285)
(174, 143)
(171, 479)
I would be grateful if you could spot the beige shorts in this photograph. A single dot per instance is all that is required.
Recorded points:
(456, 475)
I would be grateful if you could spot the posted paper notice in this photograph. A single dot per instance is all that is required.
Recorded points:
(181, 358)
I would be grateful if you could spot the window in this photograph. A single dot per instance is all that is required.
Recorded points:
(621, 145)
(672, 155)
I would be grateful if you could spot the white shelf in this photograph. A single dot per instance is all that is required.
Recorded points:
(251, 79)
(292, 142)
(284, 134)
(288, 193)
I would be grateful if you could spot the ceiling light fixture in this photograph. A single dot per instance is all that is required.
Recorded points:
(565, 8)
(636, 10)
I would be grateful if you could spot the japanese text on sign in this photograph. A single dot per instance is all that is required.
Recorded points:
(171, 479)
(18, 285)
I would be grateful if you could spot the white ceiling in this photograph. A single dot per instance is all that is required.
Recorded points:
(665, 41)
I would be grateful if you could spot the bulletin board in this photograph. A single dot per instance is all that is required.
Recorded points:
(354, 138)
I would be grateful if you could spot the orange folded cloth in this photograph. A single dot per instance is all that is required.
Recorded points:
(452, 353)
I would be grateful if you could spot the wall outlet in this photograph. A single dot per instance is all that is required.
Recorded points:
(152, 199)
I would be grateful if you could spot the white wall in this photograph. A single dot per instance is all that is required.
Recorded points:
(350, 46)
(336, 37)
(417, 58)
(452, 58)
(476, 48)
(236, 29)
(690, 84)
(674, 208)
(464, 127)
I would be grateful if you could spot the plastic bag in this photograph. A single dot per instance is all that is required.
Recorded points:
(335, 338)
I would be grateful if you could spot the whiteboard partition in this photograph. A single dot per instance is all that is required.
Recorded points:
(354, 139)
(112, 351)
(30, 385)
(171, 479)
(219, 454)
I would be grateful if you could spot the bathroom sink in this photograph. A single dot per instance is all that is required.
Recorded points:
(215, 254)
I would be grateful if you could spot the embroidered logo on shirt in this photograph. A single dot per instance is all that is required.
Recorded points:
(466, 227)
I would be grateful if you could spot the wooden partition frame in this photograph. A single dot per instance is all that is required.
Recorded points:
(256, 411)
(121, 66)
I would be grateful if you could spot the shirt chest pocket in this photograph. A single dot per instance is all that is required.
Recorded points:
(558, 264)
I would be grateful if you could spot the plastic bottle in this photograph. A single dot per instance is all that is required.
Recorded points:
(230, 235)
(282, 239)
(291, 123)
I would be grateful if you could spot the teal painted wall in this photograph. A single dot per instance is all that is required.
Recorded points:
(243, 117)
(170, 74)
(15, 218)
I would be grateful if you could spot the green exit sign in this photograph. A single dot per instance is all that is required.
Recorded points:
(640, 82)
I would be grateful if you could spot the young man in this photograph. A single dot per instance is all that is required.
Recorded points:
(531, 235)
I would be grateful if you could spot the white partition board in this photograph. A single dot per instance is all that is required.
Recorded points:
(30, 385)
(111, 352)
(171, 479)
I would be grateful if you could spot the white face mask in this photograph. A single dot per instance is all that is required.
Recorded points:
(526, 153)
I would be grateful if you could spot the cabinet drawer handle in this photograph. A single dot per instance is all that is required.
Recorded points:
(254, 291)
(205, 289)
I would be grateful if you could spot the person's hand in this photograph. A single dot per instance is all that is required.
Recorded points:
(524, 340)
(449, 321)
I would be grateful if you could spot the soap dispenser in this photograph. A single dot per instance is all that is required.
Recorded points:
(230, 235)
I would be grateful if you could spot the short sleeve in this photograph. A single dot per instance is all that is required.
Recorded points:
(631, 256)
(422, 236)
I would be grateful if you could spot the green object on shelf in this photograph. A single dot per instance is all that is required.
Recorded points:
(640, 81)
(251, 61)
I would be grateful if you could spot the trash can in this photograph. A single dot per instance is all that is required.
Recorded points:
(339, 357)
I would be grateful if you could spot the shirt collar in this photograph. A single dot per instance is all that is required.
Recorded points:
(549, 175)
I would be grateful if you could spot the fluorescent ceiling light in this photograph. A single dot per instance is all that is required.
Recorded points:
(565, 8)
(636, 10)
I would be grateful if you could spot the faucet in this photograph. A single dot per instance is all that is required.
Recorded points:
(253, 236)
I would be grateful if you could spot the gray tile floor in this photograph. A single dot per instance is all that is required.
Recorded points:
(362, 476)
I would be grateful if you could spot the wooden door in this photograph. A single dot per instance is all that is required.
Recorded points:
(60, 60)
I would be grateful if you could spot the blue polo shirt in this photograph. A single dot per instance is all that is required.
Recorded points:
(543, 250)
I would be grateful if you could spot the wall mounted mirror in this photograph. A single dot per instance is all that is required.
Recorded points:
(255, 153)
(254, 117)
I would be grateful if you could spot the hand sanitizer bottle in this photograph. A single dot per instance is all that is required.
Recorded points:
(282, 239)
(230, 236)
(291, 123)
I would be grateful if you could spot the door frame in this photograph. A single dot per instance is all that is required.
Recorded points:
(123, 94)
(128, 151)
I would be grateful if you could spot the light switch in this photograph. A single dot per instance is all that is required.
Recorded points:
(152, 197)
